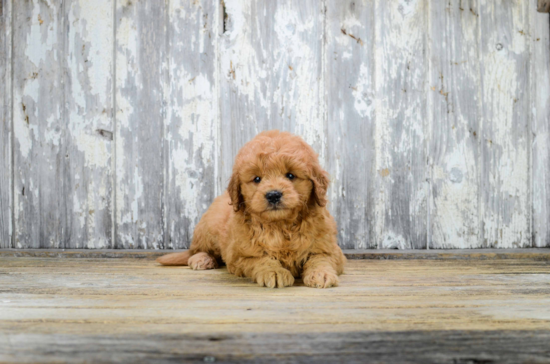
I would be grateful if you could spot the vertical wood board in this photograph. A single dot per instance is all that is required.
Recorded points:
(350, 100)
(454, 113)
(139, 132)
(504, 130)
(271, 74)
(62, 103)
(88, 123)
(400, 133)
(40, 150)
(192, 117)
(540, 104)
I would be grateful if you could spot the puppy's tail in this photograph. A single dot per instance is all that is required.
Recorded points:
(174, 258)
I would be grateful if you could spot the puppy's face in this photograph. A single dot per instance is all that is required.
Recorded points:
(275, 188)
(275, 176)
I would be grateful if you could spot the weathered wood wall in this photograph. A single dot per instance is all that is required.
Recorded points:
(121, 118)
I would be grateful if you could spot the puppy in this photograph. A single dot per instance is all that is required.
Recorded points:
(271, 224)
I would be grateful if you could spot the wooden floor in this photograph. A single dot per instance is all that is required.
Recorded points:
(398, 311)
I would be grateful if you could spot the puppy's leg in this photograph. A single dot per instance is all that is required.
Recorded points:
(321, 271)
(201, 261)
(204, 251)
(267, 272)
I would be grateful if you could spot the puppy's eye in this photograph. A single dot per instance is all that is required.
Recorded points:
(290, 176)
(257, 180)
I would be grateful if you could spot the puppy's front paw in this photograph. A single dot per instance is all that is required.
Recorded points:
(271, 278)
(201, 261)
(320, 278)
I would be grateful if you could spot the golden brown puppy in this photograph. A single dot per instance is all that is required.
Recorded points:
(271, 224)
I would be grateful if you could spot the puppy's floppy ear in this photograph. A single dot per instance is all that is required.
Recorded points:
(234, 190)
(320, 180)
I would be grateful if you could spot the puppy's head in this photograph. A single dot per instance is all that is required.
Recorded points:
(276, 175)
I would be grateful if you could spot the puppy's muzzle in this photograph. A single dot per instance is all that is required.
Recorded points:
(273, 197)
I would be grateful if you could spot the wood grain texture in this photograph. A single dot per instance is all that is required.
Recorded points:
(140, 115)
(88, 123)
(540, 104)
(504, 127)
(40, 138)
(540, 254)
(6, 213)
(192, 117)
(350, 99)
(62, 102)
(411, 346)
(271, 74)
(400, 134)
(454, 114)
(63, 310)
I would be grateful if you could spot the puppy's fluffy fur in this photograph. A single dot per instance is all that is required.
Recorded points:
(270, 243)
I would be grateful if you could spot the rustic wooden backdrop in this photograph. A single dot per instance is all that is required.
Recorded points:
(121, 118)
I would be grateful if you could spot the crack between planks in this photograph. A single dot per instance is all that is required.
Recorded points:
(323, 97)
(375, 236)
(115, 135)
(64, 241)
(532, 106)
(12, 62)
(164, 137)
(219, 38)
(430, 118)
(480, 164)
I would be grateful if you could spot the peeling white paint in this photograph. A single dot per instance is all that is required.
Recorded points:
(41, 38)
(400, 78)
(505, 214)
(361, 92)
(391, 240)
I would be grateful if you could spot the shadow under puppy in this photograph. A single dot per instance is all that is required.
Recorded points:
(271, 224)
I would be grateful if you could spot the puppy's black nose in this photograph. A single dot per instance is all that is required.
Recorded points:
(273, 196)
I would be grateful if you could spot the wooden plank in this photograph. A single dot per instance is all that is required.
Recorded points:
(62, 107)
(6, 170)
(139, 132)
(271, 76)
(88, 124)
(192, 117)
(445, 346)
(535, 254)
(40, 148)
(454, 114)
(350, 109)
(540, 176)
(543, 6)
(62, 310)
(400, 132)
(504, 127)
